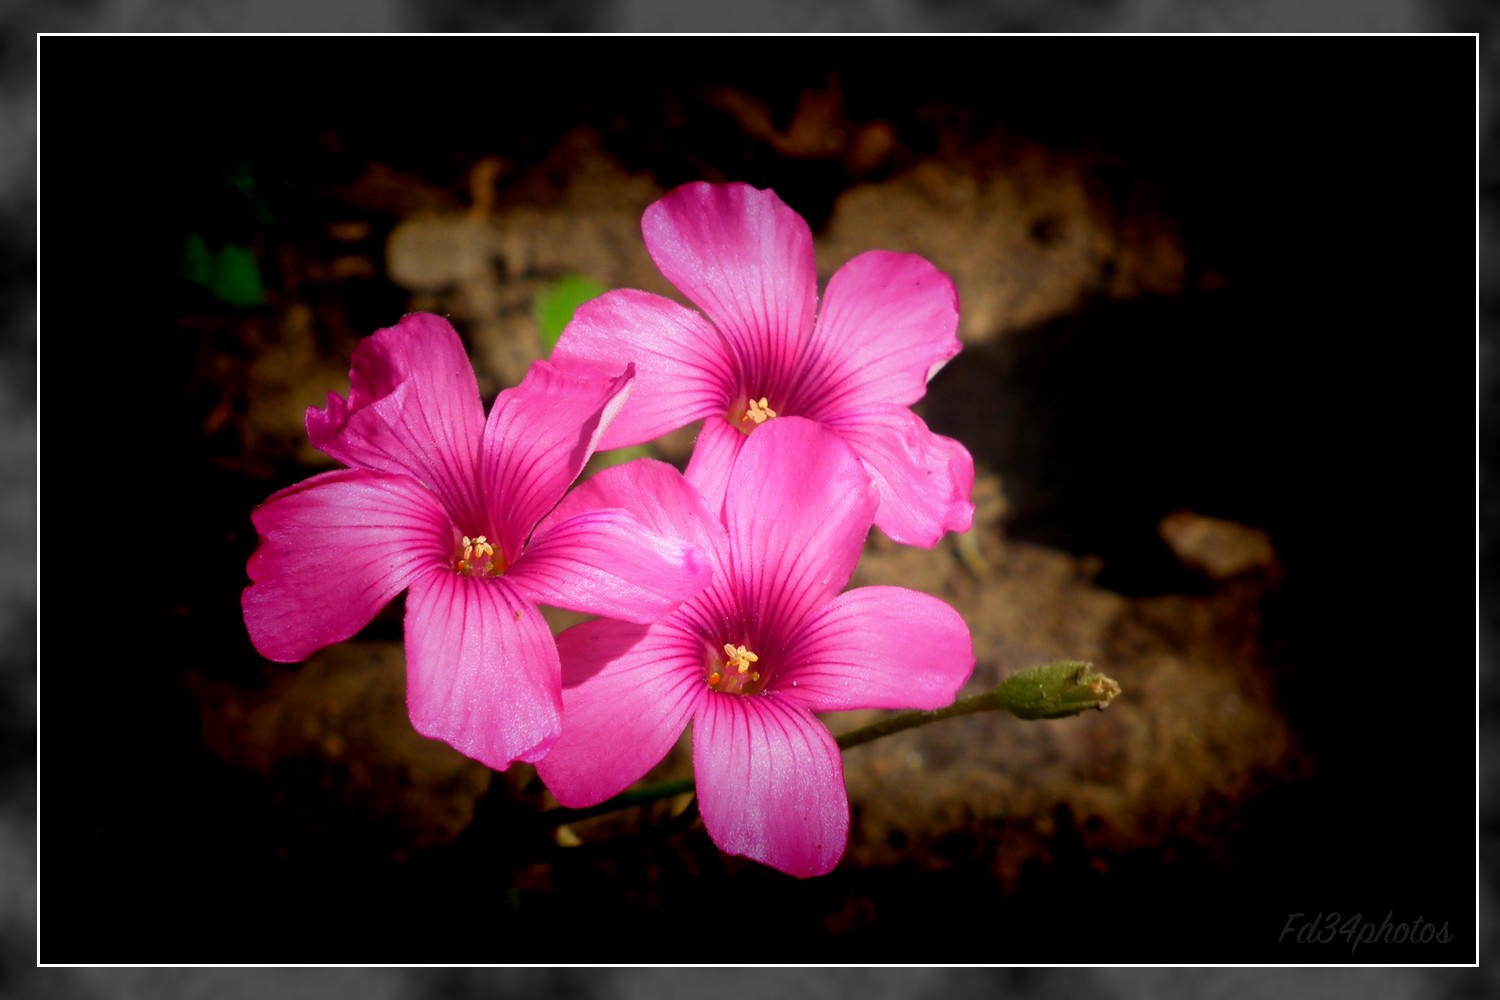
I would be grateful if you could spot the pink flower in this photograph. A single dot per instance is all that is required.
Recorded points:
(441, 503)
(748, 661)
(887, 325)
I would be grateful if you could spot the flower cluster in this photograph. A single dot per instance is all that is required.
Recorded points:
(719, 592)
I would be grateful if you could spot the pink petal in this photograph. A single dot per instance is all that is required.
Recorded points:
(482, 669)
(746, 260)
(714, 454)
(334, 550)
(798, 511)
(878, 647)
(925, 479)
(629, 691)
(536, 442)
(656, 493)
(413, 407)
(606, 562)
(770, 783)
(660, 497)
(888, 322)
(684, 370)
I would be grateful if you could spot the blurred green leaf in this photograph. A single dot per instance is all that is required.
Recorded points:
(197, 262)
(231, 273)
(554, 307)
(602, 460)
(236, 277)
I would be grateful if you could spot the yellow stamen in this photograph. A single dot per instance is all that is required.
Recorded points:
(472, 555)
(739, 657)
(759, 411)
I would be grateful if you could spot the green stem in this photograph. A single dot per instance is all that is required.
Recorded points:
(987, 702)
(1050, 691)
(633, 797)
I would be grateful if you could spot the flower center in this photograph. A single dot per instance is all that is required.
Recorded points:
(477, 557)
(757, 412)
(734, 672)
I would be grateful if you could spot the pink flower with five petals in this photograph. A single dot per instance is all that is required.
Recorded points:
(748, 661)
(442, 503)
(887, 324)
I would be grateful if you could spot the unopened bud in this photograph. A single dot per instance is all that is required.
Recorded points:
(1055, 691)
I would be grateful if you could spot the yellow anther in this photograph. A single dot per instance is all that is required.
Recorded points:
(714, 679)
(759, 411)
(472, 555)
(739, 657)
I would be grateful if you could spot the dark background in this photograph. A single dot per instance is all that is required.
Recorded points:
(1332, 179)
